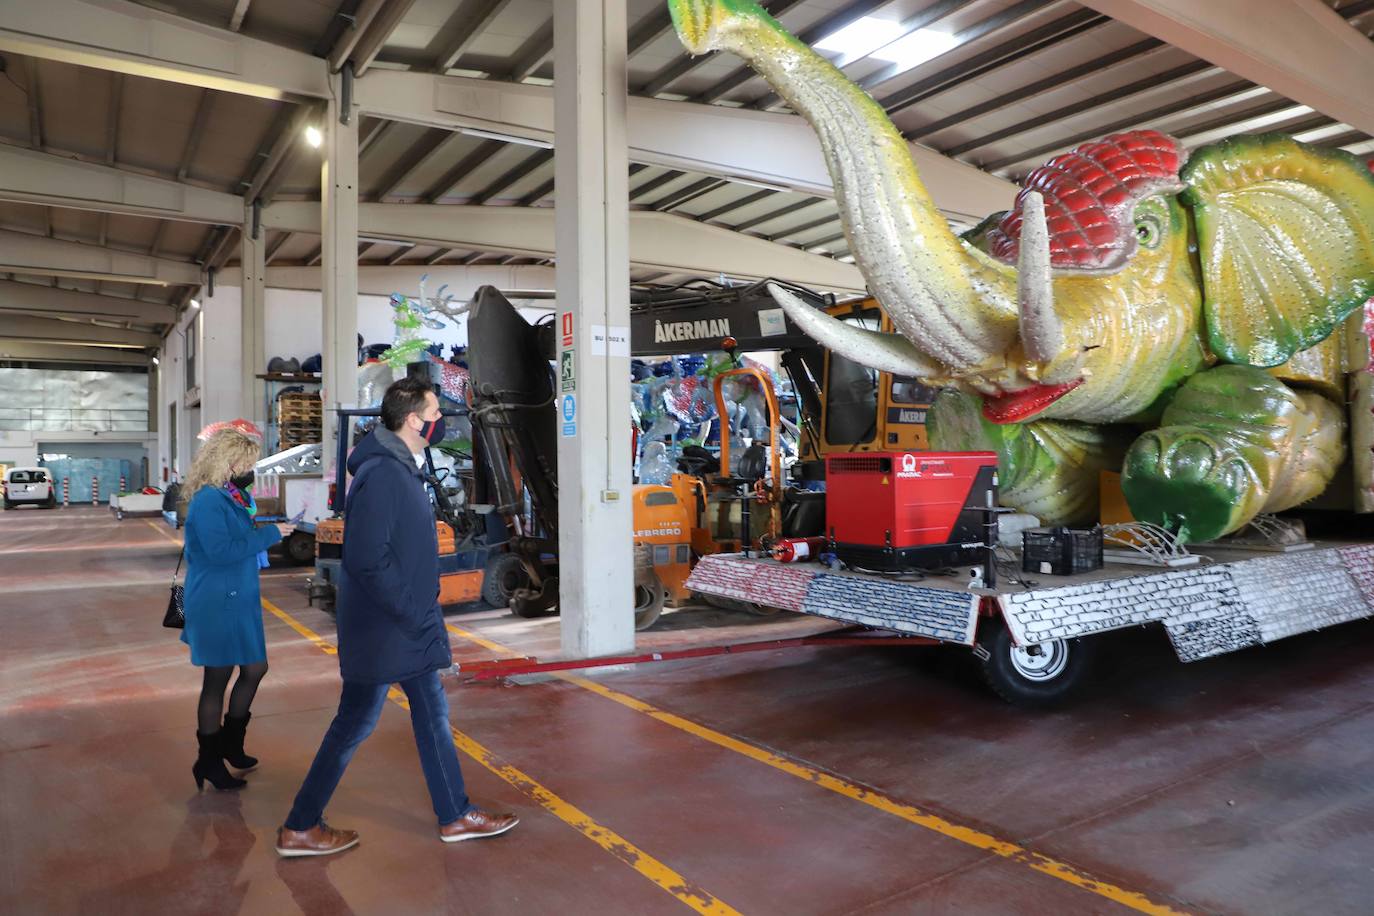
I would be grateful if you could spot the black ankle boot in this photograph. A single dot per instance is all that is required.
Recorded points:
(231, 743)
(209, 765)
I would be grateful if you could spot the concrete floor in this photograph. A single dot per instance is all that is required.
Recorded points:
(816, 781)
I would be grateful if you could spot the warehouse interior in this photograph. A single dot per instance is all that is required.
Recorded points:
(213, 210)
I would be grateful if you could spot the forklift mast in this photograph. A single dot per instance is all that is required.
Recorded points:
(515, 445)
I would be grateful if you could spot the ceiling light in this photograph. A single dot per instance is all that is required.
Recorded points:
(314, 136)
(915, 48)
(861, 37)
(155, 361)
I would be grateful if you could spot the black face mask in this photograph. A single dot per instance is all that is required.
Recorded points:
(244, 481)
(434, 431)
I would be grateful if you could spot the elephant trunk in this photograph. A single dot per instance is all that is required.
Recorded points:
(956, 304)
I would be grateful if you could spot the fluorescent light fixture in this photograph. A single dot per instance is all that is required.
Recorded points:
(193, 305)
(505, 138)
(155, 361)
(314, 136)
(884, 39)
(861, 37)
(916, 48)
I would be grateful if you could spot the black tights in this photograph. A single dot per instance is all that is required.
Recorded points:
(240, 698)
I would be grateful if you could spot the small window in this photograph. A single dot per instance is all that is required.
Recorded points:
(662, 555)
(851, 392)
(684, 554)
(909, 391)
(19, 477)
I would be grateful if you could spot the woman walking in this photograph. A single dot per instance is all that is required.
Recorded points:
(224, 552)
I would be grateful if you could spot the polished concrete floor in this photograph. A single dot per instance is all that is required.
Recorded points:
(813, 781)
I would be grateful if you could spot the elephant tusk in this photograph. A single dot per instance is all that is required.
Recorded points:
(1042, 335)
(874, 349)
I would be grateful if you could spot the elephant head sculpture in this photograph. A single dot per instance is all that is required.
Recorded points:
(1125, 271)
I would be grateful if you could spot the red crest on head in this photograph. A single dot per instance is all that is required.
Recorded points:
(1090, 196)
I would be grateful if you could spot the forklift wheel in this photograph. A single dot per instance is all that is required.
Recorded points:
(1033, 676)
(504, 576)
(649, 601)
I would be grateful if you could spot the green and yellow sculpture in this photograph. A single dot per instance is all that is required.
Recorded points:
(1185, 319)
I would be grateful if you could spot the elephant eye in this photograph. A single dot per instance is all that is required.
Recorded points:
(1147, 231)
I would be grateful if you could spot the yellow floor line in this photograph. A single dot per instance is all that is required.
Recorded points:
(162, 531)
(619, 847)
(967, 835)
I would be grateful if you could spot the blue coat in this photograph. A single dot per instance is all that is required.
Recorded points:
(390, 625)
(223, 604)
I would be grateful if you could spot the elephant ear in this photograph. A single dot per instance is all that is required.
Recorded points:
(1286, 235)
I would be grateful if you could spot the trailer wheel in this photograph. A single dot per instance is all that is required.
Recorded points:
(300, 548)
(1033, 676)
(504, 576)
(649, 601)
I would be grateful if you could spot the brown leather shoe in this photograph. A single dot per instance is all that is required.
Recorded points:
(477, 824)
(320, 840)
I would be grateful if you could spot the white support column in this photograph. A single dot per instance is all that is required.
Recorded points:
(339, 267)
(253, 343)
(596, 564)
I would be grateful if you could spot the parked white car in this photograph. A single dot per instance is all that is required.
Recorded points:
(29, 487)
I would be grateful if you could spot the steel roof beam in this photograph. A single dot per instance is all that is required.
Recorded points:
(514, 176)
(1031, 90)
(463, 28)
(465, 167)
(1023, 46)
(131, 38)
(659, 241)
(39, 178)
(1141, 119)
(32, 299)
(378, 34)
(774, 148)
(1150, 83)
(47, 257)
(680, 68)
(931, 14)
(76, 332)
(1301, 49)
(236, 17)
(419, 152)
(93, 354)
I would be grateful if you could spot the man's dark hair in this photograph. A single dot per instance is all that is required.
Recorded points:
(402, 399)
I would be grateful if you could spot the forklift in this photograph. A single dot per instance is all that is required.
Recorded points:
(706, 508)
(474, 561)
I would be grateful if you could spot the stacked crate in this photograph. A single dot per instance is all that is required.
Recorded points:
(300, 418)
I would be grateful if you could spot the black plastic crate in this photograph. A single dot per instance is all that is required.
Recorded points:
(1061, 551)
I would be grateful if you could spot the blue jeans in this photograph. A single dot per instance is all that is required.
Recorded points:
(360, 705)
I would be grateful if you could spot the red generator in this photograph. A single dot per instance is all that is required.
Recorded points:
(895, 511)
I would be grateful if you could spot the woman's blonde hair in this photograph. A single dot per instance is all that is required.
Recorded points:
(217, 458)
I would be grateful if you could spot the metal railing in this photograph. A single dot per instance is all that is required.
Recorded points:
(72, 419)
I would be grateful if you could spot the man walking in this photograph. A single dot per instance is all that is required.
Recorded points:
(391, 630)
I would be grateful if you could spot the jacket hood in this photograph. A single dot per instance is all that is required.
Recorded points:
(381, 443)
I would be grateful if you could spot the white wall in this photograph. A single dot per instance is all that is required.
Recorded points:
(217, 376)
(294, 320)
(293, 329)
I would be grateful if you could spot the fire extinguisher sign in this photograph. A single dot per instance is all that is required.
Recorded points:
(567, 329)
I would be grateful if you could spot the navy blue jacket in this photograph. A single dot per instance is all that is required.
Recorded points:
(390, 625)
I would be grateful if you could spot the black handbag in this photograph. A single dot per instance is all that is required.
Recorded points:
(175, 618)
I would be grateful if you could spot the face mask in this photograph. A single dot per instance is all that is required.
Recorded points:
(433, 431)
(243, 481)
